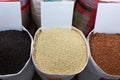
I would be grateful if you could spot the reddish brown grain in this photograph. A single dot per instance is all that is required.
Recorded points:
(105, 50)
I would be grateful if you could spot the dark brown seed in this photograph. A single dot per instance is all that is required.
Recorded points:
(14, 51)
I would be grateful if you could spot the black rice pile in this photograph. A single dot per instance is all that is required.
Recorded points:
(14, 51)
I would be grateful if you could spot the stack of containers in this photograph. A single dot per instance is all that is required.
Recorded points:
(104, 42)
(11, 21)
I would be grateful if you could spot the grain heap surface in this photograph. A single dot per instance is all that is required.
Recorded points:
(60, 51)
(105, 50)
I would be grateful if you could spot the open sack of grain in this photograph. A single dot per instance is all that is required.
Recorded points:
(15, 44)
(60, 53)
(104, 42)
(60, 50)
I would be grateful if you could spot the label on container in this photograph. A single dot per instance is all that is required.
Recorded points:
(56, 14)
(108, 18)
(10, 16)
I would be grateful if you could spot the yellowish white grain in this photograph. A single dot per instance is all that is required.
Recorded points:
(59, 51)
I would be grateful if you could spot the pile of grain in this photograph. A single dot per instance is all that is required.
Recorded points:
(14, 51)
(59, 51)
(105, 50)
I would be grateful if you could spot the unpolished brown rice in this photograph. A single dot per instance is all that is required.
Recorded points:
(105, 50)
(59, 51)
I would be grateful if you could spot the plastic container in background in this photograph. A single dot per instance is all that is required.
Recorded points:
(46, 76)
